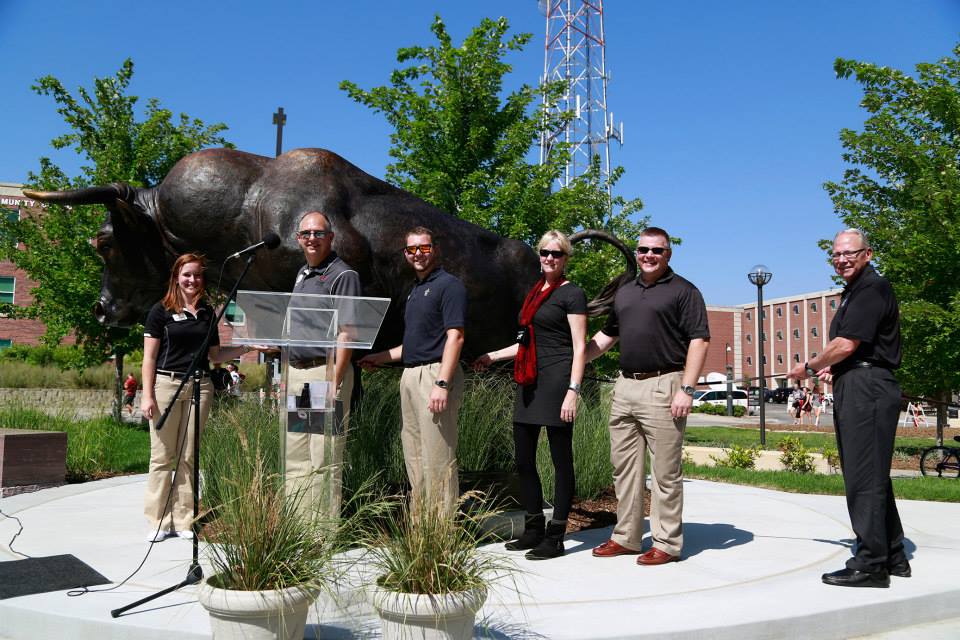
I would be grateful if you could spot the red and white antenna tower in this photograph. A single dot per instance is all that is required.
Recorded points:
(575, 54)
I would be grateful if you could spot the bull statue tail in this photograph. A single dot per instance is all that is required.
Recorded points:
(105, 195)
(601, 304)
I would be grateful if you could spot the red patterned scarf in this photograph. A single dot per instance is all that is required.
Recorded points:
(525, 364)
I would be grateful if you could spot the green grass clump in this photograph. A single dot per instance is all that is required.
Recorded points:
(95, 448)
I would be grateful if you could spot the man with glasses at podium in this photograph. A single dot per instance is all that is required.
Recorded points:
(310, 466)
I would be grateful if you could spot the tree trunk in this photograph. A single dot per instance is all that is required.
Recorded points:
(943, 398)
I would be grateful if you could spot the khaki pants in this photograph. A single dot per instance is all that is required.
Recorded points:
(430, 439)
(313, 462)
(640, 419)
(163, 507)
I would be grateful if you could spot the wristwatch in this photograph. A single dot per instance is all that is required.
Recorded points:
(574, 387)
(810, 372)
(442, 384)
(687, 389)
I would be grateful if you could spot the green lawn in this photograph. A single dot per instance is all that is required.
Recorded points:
(920, 488)
(746, 437)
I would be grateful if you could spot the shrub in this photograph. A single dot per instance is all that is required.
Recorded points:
(832, 456)
(719, 410)
(794, 456)
(738, 457)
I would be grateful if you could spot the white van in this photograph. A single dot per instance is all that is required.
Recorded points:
(720, 398)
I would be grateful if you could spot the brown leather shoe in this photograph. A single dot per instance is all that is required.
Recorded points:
(610, 549)
(656, 556)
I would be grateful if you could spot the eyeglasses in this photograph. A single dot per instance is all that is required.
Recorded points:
(552, 253)
(657, 251)
(319, 235)
(847, 254)
(425, 249)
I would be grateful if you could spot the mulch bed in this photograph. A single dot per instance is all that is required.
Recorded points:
(599, 512)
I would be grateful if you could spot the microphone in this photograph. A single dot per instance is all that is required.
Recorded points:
(270, 241)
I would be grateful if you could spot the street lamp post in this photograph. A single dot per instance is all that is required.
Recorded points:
(760, 276)
(729, 371)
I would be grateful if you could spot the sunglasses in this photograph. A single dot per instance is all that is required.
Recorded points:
(657, 251)
(552, 253)
(316, 234)
(425, 249)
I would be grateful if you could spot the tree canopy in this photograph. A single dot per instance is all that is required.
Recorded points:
(57, 249)
(463, 144)
(903, 189)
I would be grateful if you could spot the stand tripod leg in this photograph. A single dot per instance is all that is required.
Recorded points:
(194, 575)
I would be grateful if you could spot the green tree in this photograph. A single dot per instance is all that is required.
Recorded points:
(903, 190)
(57, 251)
(459, 143)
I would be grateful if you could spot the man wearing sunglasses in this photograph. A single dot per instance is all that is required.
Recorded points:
(431, 387)
(660, 321)
(316, 458)
(864, 349)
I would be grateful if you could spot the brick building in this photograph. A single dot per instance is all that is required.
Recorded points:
(15, 286)
(795, 330)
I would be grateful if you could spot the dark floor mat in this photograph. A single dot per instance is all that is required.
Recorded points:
(39, 575)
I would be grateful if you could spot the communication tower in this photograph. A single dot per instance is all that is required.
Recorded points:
(575, 54)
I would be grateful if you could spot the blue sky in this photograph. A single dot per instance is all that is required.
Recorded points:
(731, 109)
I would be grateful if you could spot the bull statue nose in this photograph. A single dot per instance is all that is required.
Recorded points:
(100, 312)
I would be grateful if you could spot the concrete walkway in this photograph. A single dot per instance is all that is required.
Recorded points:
(751, 569)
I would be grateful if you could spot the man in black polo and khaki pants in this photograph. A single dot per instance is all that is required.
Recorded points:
(313, 461)
(660, 320)
(864, 349)
(431, 387)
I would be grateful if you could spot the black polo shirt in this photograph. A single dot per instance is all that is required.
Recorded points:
(656, 323)
(332, 277)
(868, 312)
(435, 304)
(180, 335)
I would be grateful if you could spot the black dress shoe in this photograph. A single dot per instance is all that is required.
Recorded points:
(854, 578)
(900, 569)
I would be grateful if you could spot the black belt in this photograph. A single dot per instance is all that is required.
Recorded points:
(857, 364)
(176, 375)
(308, 364)
(644, 375)
(411, 365)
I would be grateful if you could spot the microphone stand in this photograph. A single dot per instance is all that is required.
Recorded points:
(195, 572)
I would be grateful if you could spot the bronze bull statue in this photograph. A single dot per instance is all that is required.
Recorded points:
(219, 201)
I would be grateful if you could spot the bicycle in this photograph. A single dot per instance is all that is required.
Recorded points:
(942, 462)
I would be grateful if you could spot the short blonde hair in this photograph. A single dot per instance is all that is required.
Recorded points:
(556, 236)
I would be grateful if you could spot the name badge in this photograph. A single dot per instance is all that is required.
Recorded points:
(178, 317)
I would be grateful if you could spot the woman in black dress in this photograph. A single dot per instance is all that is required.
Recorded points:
(549, 362)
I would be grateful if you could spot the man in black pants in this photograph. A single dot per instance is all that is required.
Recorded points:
(864, 349)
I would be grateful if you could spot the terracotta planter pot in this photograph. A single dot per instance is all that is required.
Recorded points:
(256, 615)
(410, 616)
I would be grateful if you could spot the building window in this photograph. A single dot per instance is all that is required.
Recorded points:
(813, 332)
(814, 355)
(12, 215)
(764, 359)
(749, 338)
(779, 335)
(749, 360)
(796, 334)
(234, 314)
(796, 357)
(763, 314)
(779, 312)
(833, 304)
(5, 342)
(779, 358)
(748, 315)
(763, 336)
(7, 285)
(813, 307)
(796, 309)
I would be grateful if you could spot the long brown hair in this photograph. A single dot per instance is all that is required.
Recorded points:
(174, 301)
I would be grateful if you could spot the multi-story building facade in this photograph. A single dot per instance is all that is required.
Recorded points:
(15, 286)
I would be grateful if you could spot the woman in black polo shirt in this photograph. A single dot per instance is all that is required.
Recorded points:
(175, 328)
(548, 368)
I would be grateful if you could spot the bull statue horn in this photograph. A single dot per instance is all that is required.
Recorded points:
(602, 303)
(105, 195)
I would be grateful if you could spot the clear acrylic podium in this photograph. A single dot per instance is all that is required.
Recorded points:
(308, 328)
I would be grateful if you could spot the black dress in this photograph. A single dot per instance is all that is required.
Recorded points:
(539, 403)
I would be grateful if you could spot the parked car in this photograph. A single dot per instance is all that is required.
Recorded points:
(720, 398)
